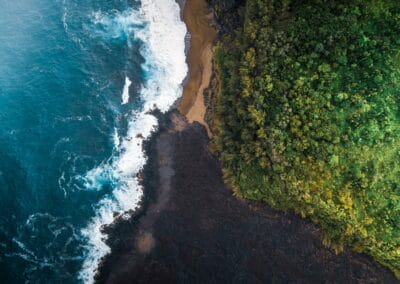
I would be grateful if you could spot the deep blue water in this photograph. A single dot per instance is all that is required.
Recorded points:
(63, 66)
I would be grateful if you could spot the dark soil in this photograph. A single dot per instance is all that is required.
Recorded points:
(192, 230)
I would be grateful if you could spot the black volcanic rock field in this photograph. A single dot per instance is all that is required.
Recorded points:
(192, 230)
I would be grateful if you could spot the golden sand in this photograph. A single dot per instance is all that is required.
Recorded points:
(197, 18)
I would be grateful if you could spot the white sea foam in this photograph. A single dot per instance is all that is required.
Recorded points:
(116, 139)
(158, 25)
(64, 17)
(125, 92)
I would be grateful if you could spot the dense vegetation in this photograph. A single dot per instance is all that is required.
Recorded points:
(307, 116)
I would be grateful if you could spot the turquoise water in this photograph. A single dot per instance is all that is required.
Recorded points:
(77, 79)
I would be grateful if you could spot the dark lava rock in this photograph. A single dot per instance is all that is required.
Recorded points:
(192, 230)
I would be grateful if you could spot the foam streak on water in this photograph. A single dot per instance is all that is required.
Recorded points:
(125, 92)
(158, 25)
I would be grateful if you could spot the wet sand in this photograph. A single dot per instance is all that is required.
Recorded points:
(197, 17)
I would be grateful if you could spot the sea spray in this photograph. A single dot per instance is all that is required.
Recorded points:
(157, 24)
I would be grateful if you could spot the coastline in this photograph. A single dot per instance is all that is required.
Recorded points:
(191, 229)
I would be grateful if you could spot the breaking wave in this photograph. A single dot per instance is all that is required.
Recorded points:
(158, 26)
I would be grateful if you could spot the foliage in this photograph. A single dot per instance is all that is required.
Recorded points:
(308, 116)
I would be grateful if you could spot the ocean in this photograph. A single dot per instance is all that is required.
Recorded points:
(78, 82)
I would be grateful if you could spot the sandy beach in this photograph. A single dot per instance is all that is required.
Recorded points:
(197, 17)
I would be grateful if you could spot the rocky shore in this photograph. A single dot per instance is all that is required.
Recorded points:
(192, 230)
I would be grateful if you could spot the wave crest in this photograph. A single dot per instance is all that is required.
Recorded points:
(157, 24)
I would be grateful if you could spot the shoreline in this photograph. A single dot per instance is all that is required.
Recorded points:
(189, 227)
(197, 17)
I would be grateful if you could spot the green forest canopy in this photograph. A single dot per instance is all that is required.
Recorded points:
(307, 116)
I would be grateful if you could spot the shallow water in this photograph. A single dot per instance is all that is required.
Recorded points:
(77, 79)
